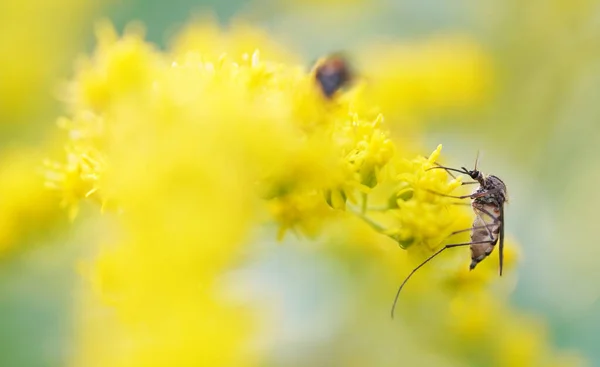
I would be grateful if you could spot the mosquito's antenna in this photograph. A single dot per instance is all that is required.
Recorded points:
(464, 171)
(476, 160)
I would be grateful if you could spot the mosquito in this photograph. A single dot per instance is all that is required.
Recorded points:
(488, 226)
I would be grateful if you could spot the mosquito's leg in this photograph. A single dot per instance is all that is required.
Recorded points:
(463, 171)
(468, 229)
(449, 196)
(426, 261)
(495, 219)
(471, 196)
(450, 173)
(478, 208)
(469, 183)
(487, 228)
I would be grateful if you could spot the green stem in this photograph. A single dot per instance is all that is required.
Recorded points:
(365, 198)
(376, 226)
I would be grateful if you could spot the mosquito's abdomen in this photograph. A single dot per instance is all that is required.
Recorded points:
(480, 251)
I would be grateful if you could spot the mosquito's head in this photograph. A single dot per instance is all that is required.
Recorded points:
(474, 174)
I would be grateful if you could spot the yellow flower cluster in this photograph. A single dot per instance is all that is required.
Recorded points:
(196, 145)
(35, 49)
(302, 146)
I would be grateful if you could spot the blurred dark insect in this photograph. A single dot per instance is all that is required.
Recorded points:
(332, 72)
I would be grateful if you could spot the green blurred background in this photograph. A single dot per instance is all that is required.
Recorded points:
(539, 132)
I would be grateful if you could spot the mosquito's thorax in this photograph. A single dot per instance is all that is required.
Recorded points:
(494, 184)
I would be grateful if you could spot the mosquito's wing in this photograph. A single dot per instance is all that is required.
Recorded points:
(501, 244)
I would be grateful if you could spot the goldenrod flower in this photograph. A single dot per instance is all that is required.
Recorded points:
(75, 179)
